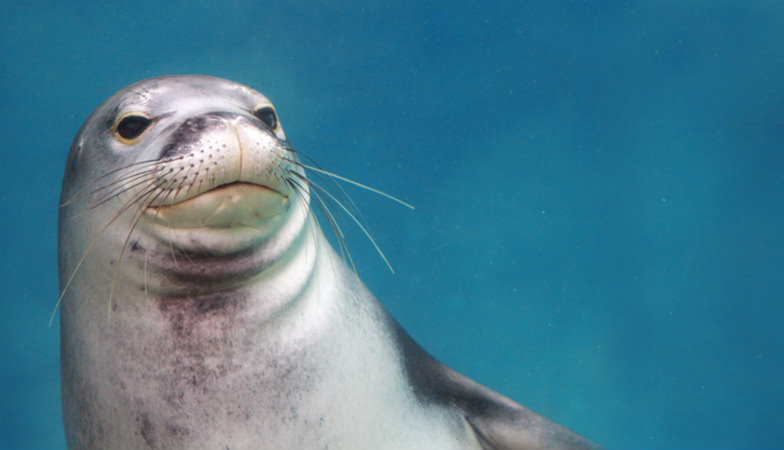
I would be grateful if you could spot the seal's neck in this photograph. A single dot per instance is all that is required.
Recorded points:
(205, 262)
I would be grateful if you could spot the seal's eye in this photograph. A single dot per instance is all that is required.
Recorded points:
(267, 115)
(132, 127)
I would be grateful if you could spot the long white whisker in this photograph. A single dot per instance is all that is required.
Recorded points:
(355, 183)
(137, 180)
(345, 253)
(81, 192)
(142, 203)
(356, 221)
(87, 251)
(332, 181)
(169, 191)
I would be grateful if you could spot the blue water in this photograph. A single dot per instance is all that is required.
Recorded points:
(599, 188)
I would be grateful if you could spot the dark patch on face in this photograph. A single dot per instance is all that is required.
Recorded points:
(147, 429)
(191, 130)
(136, 246)
(189, 133)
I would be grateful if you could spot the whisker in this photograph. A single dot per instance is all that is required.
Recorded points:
(343, 194)
(356, 221)
(142, 203)
(347, 180)
(167, 192)
(322, 204)
(118, 190)
(327, 213)
(183, 181)
(344, 251)
(89, 247)
(344, 197)
(303, 205)
(323, 207)
(163, 200)
(360, 185)
(81, 194)
(176, 192)
(146, 254)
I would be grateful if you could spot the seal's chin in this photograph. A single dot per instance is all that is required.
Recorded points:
(233, 205)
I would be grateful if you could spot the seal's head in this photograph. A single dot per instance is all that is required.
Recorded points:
(193, 165)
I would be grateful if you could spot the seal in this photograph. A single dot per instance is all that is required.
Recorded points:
(203, 307)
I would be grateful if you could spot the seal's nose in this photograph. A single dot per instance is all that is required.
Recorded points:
(191, 134)
(259, 151)
(194, 129)
(255, 144)
(218, 148)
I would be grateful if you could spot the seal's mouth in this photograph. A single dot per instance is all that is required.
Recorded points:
(231, 205)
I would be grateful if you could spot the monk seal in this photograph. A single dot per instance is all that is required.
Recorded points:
(203, 307)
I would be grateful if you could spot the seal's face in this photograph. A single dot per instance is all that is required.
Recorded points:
(181, 184)
(200, 163)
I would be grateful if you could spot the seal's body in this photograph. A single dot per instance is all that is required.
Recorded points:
(203, 307)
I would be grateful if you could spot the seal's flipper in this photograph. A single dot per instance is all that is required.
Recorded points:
(498, 422)
(501, 424)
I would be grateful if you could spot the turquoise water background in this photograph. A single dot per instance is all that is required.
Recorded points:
(599, 186)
